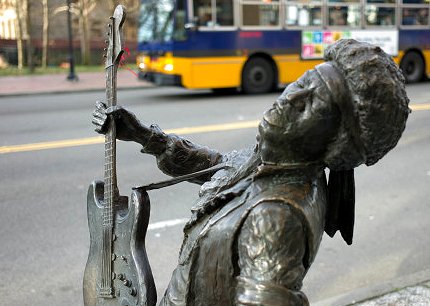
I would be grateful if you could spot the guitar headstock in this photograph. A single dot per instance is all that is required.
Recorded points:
(114, 49)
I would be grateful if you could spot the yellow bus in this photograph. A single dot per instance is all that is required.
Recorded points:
(255, 45)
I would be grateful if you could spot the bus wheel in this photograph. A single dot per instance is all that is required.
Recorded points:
(412, 66)
(258, 76)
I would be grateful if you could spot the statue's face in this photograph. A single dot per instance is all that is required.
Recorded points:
(301, 123)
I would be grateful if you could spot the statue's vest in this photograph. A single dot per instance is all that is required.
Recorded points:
(207, 270)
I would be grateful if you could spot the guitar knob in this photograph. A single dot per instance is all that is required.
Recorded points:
(133, 292)
(127, 283)
(121, 276)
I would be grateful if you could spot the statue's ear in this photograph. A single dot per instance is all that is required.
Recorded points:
(341, 204)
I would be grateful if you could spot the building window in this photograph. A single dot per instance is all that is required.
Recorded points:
(7, 23)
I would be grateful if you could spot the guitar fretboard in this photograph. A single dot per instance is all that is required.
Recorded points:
(110, 176)
(110, 191)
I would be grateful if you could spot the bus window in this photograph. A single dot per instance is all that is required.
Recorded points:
(147, 24)
(224, 12)
(256, 14)
(380, 16)
(381, 1)
(303, 15)
(179, 32)
(208, 16)
(203, 12)
(156, 21)
(415, 16)
(344, 16)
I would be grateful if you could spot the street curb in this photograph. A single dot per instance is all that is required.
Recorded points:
(370, 292)
(65, 91)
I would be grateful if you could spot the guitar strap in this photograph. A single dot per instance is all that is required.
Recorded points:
(181, 178)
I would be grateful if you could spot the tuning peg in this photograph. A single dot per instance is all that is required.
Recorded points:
(106, 41)
(111, 17)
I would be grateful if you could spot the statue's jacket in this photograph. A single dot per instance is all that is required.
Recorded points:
(253, 234)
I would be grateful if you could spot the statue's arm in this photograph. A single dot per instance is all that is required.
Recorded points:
(179, 156)
(271, 248)
(175, 155)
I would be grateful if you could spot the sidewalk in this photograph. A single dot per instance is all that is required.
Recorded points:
(407, 290)
(418, 295)
(58, 83)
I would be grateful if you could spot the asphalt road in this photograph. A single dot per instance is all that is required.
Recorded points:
(43, 227)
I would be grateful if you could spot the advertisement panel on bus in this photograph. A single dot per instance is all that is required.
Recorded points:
(315, 42)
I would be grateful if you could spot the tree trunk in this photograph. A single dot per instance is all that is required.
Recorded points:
(45, 38)
(27, 36)
(84, 29)
(112, 4)
(130, 5)
(19, 42)
(87, 47)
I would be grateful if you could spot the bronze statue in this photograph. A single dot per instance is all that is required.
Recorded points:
(257, 224)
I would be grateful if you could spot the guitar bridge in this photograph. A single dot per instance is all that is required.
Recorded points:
(106, 293)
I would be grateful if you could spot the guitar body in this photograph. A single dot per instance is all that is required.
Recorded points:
(132, 280)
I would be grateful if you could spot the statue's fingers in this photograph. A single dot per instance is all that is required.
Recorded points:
(99, 123)
(98, 114)
(100, 104)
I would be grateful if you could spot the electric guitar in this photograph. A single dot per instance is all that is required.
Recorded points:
(117, 270)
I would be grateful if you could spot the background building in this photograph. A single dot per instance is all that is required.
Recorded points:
(25, 19)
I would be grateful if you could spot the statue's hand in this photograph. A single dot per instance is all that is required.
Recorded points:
(128, 127)
(100, 118)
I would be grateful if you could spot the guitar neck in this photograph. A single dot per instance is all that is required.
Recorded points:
(110, 176)
(111, 195)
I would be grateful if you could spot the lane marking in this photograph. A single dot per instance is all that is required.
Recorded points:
(180, 131)
(418, 107)
(165, 224)
(100, 139)
(51, 145)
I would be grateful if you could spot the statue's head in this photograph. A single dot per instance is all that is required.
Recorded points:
(350, 110)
